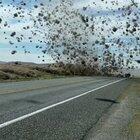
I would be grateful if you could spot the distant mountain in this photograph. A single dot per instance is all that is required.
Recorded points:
(2, 62)
(27, 63)
(21, 63)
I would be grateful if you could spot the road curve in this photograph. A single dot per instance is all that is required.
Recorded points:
(58, 109)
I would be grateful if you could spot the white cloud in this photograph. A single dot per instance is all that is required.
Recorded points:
(101, 5)
(5, 55)
(7, 12)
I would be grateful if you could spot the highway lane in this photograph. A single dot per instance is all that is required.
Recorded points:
(69, 120)
(29, 100)
(39, 84)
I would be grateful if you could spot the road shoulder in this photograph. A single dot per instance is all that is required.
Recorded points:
(122, 122)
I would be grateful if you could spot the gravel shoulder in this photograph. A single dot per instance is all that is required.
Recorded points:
(122, 122)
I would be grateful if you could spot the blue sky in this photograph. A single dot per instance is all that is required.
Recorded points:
(5, 48)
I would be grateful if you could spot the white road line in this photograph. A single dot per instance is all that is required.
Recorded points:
(54, 105)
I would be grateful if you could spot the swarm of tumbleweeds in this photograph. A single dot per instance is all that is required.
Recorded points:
(78, 36)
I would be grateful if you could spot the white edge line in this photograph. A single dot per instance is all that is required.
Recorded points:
(51, 106)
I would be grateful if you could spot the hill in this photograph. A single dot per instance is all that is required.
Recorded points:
(26, 71)
(2, 62)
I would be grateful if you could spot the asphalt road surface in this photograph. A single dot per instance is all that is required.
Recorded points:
(58, 109)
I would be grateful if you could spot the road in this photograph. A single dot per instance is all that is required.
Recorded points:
(58, 109)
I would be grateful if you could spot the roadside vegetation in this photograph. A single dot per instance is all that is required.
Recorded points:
(17, 71)
(20, 71)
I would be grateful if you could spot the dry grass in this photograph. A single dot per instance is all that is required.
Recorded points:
(23, 72)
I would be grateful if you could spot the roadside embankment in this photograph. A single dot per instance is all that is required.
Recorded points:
(122, 122)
